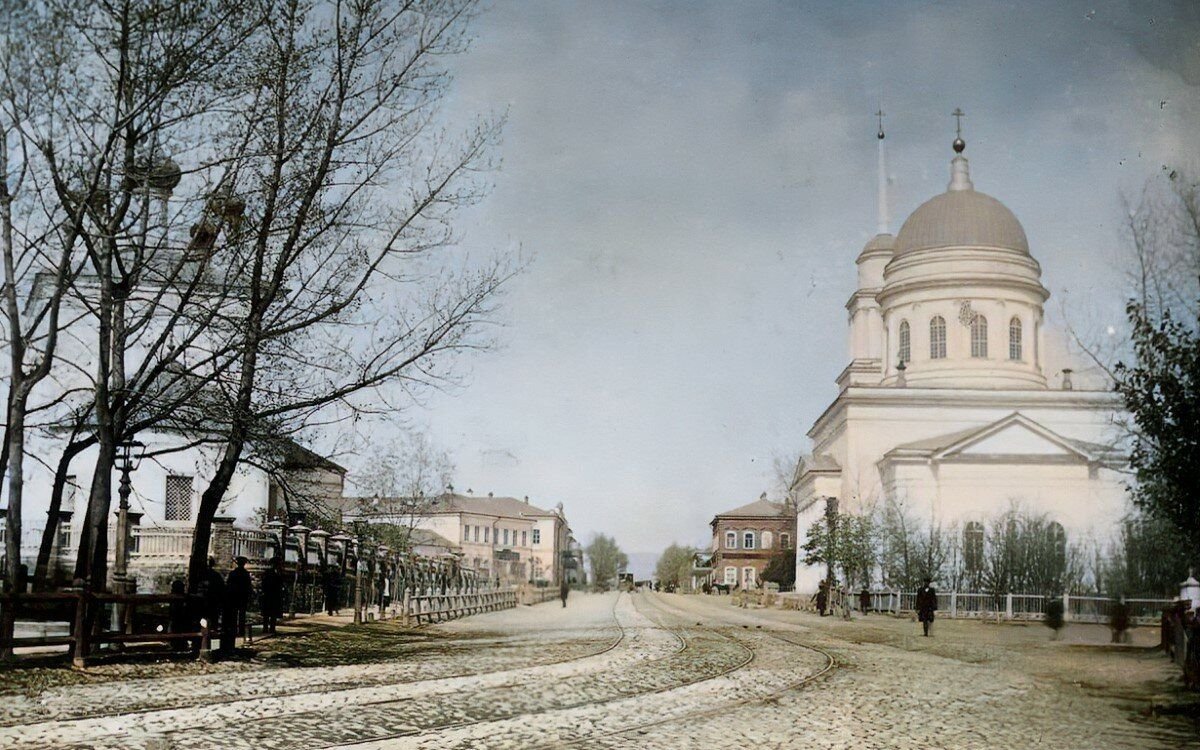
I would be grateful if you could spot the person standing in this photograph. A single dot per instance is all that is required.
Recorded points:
(270, 600)
(212, 597)
(864, 600)
(926, 605)
(563, 591)
(238, 588)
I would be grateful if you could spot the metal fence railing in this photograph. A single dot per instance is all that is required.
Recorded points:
(966, 604)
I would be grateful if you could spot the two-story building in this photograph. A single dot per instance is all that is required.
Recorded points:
(746, 538)
(501, 538)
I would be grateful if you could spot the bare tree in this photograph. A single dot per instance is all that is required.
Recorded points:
(402, 481)
(349, 183)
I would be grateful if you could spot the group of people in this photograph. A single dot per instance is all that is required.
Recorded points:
(222, 602)
(926, 604)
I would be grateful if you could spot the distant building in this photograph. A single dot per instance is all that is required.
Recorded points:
(746, 538)
(500, 538)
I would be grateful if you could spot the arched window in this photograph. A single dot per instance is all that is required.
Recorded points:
(905, 343)
(730, 575)
(973, 547)
(767, 538)
(937, 337)
(730, 540)
(979, 336)
(1014, 339)
(785, 540)
(748, 540)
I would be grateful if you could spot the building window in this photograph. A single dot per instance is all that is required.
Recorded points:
(767, 538)
(178, 499)
(506, 537)
(747, 577)
(979, 336)
(937, 337)
(730, 576)
(748, 540)
(785, 540)
(524, 538)
(905, 342)
(537, 536)
(730, 540)
(466, 533)
(477, 533)
(1014, 339)
(973, 547)
(487, 530)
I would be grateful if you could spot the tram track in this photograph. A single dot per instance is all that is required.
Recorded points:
(684, 646)
(689, 643)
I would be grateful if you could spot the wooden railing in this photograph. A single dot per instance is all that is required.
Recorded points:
(440, 607)
(84, 611)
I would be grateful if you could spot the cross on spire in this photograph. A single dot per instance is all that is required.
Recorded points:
(959, 144)
(879, 114)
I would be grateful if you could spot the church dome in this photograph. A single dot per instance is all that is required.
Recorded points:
(961, 218)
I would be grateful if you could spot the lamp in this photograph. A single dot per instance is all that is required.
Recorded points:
(129, 457)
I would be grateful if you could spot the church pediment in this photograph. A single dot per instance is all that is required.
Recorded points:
(1015, 436)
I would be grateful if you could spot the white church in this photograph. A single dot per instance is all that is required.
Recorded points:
(947, 404)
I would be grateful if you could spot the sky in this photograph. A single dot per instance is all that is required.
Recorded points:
(692, 182)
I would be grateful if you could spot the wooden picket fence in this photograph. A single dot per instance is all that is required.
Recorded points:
(436, 607)
(85, 610)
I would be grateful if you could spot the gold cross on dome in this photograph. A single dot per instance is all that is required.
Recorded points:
(958, 114)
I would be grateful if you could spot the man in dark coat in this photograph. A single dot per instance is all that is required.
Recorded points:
(329, 586)
(822, 597)
(563, 591)
(270, 600)
(926, 605)
(212, 597)
(864, 600)
(238, 588)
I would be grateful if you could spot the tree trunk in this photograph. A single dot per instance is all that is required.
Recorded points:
(16, 483)
(209, 501)
(41, 573)
(91, 565)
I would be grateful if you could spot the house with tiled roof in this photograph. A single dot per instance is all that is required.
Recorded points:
(745, 539)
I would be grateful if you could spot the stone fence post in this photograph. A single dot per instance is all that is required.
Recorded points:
(1008, 613)
(220, 544)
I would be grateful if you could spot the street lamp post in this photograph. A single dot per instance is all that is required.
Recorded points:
(129, 456)
(358, 596)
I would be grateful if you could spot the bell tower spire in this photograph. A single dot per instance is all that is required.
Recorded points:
(882, 227)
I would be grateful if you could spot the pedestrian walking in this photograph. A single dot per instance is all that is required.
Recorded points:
(238, 588)
(1118, 620)
(563, 590)
(926, 605)
(270, 599)
(864, 600)
(822, 597)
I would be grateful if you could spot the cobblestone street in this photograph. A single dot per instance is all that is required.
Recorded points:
(631, 671)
